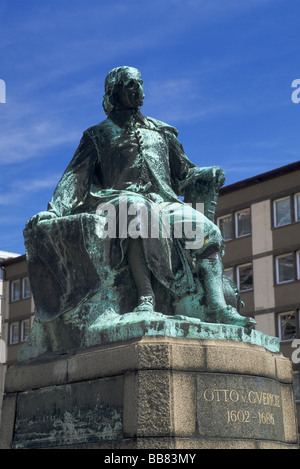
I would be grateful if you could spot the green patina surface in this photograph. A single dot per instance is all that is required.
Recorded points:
(75, 331)
(112, 327)
(83, 281)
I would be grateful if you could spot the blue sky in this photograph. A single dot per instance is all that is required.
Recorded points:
(220, 71)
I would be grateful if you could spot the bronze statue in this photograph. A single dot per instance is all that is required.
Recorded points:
(137, 162)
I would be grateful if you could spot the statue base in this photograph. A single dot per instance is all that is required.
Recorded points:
(152, 392)
(85, 327)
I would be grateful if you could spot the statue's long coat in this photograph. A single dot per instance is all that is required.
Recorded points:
(139, 163)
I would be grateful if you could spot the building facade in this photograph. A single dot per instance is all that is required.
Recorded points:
(17, 306)
(260, 222)
(3, 255)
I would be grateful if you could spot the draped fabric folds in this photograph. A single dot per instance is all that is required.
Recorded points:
(143, 166)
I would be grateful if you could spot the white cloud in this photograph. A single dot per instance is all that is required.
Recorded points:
(23, 143)
(18, 190)
(30, 126)
(184, 99)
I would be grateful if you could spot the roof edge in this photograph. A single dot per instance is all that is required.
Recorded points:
(13, 260)
(260, 178)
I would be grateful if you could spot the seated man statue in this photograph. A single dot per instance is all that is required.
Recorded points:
(99, 243)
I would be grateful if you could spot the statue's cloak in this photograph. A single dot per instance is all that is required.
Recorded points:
(68, 256)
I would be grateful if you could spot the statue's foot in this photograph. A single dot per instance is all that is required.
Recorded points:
(146, 304)
(229, 315)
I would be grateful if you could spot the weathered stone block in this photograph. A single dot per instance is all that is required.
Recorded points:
(66, 415)
(148, 403)
(24, 377)
(7, 421)
(153, 392)
(184, 392)
(239, 406)
(239, 359)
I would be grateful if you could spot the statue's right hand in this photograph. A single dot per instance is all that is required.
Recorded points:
(33, 221)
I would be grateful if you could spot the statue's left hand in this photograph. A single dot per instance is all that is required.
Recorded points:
(218, 175)
(33, 221)
(215, 174)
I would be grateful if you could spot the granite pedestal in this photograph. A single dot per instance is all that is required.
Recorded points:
(152, 392)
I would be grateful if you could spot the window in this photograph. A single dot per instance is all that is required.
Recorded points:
(285, 268)
(297, 207)
(282, 211)
(25, 329)
(19, 331)
(235, 225)
(287, 325)
(243, 223)
(229, 272)
(20, 289)
(15, 290)
(14, 333)
(225, 225)
(286, 210)
(245, 277)
(26, 288)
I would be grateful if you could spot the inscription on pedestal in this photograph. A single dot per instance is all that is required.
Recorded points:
(239, 406)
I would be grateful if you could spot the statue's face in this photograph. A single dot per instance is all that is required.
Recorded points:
(130, 93)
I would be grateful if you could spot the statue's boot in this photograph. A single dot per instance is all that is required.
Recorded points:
(146, 305)
(210, 273)
(141, 275)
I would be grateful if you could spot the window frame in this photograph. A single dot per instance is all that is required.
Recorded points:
(22, 327)
(298, 265)
(296, 203)
(24, 279)
(287, 197)
(238, 267)
(232, 227)
(236, 213)
(11, 332)
(12, 283)
(286, 313)
(277, 282)
(232, 270)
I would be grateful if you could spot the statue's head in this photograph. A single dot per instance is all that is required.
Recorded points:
(123, 89)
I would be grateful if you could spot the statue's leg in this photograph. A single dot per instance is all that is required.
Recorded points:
(141, 275)
(207, 254)
(210, 271)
